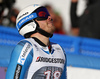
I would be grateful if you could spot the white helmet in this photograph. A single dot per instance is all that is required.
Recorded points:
(25, 22)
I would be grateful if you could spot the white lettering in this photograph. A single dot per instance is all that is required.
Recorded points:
(27, 18)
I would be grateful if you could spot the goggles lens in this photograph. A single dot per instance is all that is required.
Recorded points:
(42, 13)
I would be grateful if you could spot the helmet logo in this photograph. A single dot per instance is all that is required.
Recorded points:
(36, 5)
(23, 15)
(26, 19)
(42, 14)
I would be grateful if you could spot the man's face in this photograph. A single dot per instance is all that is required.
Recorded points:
(47, 25)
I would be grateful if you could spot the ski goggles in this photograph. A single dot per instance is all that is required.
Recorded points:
(42, 13)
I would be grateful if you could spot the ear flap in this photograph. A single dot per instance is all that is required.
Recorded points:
(33, 24)
(29, 27)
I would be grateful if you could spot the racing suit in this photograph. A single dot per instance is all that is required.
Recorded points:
(32, 59)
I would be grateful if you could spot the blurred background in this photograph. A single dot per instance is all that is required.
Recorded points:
(77, 31)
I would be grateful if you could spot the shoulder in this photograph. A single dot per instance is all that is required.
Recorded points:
(23, 44)
(56, 45)
(23, 47)
(24, 41)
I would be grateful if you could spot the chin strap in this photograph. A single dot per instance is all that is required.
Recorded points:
(38, 29)
(44, 32)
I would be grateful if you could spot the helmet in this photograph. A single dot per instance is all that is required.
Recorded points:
(25, 22)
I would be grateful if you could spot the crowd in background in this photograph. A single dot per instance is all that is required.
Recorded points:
(8, 13)
(86, 25)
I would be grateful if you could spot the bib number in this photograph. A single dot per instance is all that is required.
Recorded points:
(56, 74)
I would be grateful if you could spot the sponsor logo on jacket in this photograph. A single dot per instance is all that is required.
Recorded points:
(24, 53)
(50, 60)
(17, 71)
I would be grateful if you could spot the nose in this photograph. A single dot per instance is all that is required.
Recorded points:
(50, 18)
